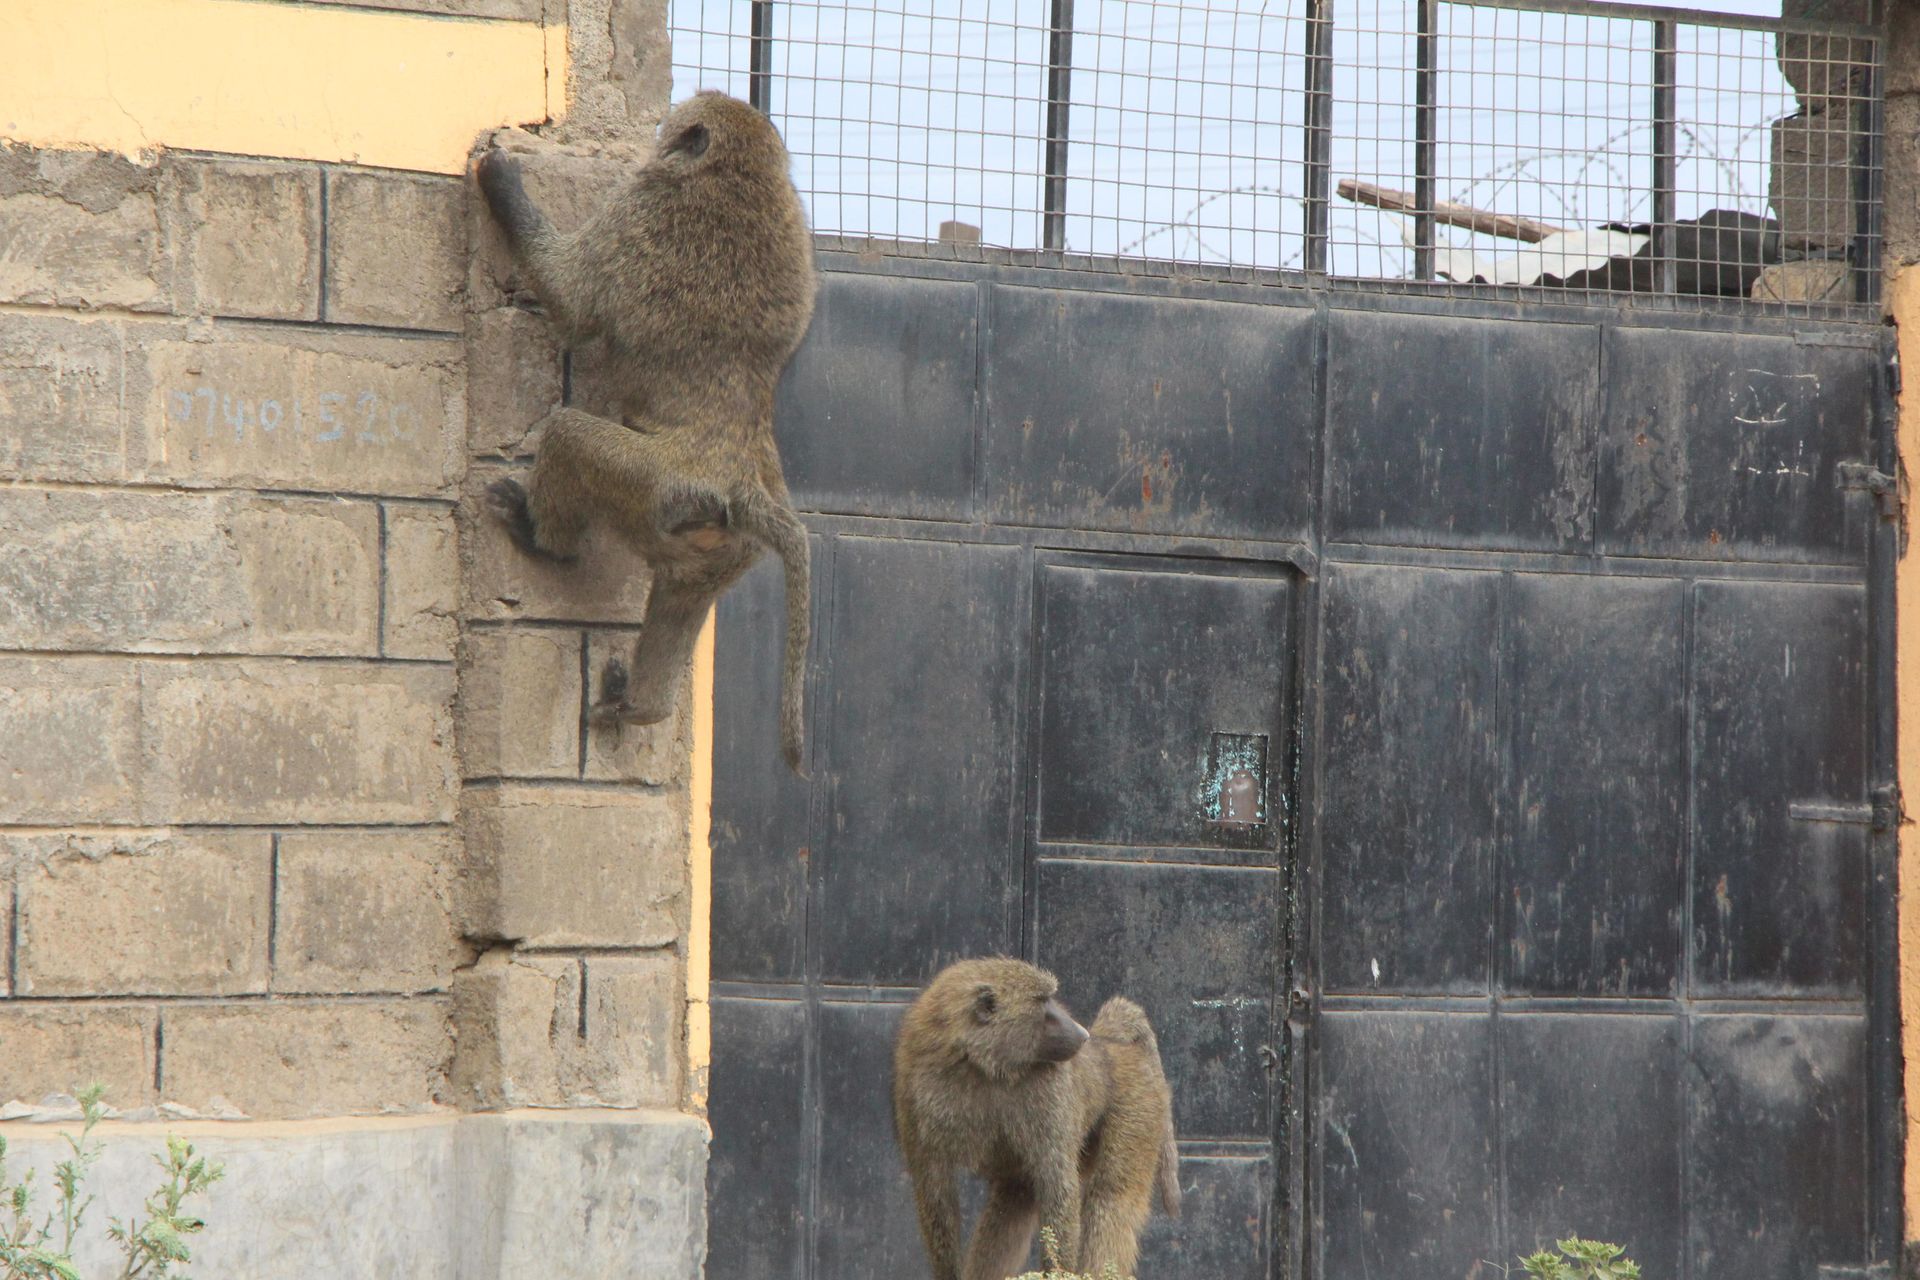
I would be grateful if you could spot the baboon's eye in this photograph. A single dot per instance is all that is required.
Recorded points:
(690, 141)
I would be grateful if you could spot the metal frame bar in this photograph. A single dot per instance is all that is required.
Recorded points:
(1869, 123)
(1059, 106)
(1683, 17)
(760, 57)
(1425, 130)
(1319, 149)
(1666, 275)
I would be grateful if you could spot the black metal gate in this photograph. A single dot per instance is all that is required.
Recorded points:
(1456, 722)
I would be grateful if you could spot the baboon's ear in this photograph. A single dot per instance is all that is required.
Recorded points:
(690, 142)
(983, 1002)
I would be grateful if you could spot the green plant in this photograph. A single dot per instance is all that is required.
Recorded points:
(1050, 1249)
(43, 1250)
(1584, 1260)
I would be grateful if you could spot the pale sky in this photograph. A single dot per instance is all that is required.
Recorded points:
(1187, 135)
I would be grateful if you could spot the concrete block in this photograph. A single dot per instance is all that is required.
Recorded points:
(608, 583)
(48, 1048)
(311, 571)
(254, 236)
(516, 1018)
(635, 1042)
(626, 1191)
(181, 918)
(569, 186)
(185, 916)
(69, 740)
(1810, 180)
(265, 741)
(581, 1195)
(192, 573)
(618, 69)
(1900, 216)
(285, 1059)
(558, 1031)
(1813, 281)
(1825, 71)
(396, 249)
(60, 398)
(81, 230)
(296, 410)
(513, 379)
(574, 866)
(423, 583)
(365, 911)
(1903, 50)
(656, 754)
(520, 708)
(348, 1200)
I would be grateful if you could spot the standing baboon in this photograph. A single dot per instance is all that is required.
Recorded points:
(698, 282)
(1071, 1130)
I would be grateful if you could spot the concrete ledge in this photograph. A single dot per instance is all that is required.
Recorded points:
(557, 1194)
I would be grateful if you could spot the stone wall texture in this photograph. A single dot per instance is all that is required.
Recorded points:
(300, 815)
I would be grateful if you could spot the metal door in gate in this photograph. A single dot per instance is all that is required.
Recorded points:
(1470, 771)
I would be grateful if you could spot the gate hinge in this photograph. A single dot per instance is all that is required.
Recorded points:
(1882, 812)
(1886, 806)
(1864, 475)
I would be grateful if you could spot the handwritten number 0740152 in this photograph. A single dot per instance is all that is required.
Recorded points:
(365, 418)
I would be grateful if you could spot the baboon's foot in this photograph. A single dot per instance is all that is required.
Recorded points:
(506, 498)
(613, 707)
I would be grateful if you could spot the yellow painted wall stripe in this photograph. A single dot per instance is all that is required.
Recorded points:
(256, 77)
(700, 873)
(1903, 304)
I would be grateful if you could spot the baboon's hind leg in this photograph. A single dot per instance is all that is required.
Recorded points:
(1004, 1235)
(1117, 1200)
(646, 692)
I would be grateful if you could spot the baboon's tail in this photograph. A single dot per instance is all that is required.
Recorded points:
(773, 523)
(1166, 1174)
(1125, 1022)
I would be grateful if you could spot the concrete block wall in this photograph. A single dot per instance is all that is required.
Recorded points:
(300, 813)
(228, 631)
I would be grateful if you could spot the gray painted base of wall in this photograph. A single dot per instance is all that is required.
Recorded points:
(583, 1195)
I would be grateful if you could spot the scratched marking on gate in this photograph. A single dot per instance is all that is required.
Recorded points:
(1762, 398)
(352, 417)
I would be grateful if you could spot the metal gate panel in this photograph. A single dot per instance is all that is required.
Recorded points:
(875, 414)
(762, 1172)
(1593, 838)
(863, 1214)
(761, 827)
(1780, 791)
(1409, 779)
(1446, 432)
(1409, 1179)
(1143, 665)
(920, 850)
(1776, 1128)
(1535, 688)
(1109, 927)
(1106, 411)
(1726, 445)
(1590, 1125)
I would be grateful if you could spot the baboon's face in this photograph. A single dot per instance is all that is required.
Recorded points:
(1019, 1021)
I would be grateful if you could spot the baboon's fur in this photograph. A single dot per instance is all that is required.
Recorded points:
(1070, 1131)
(697, 281)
